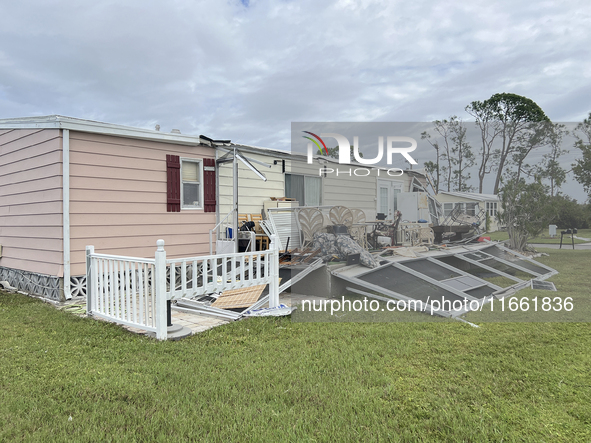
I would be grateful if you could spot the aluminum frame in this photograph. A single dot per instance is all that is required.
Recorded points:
(498, 291)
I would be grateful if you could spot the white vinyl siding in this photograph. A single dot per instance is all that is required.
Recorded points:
(252, 191)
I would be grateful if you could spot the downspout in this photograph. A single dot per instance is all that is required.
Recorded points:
(217, 199)
(66, 209)
(235, 196)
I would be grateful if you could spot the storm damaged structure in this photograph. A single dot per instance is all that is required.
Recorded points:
(445, 281)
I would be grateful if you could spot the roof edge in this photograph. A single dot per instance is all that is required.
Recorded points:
(91, 126)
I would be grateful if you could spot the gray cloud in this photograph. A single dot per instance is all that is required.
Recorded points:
(245, 72)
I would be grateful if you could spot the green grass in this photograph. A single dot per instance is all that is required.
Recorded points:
(573, 281)
(278, 380)
(544, 238)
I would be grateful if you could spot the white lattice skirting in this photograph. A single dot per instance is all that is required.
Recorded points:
(38, 284)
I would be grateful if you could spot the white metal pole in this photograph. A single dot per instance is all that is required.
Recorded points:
(66, 210)
(160, 282)
(274, 270)
(235, 192)
(90, 276)
(217, 205)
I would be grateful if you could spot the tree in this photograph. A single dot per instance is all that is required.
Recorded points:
(432, 167)
(582, 166)
(488, 133)
(550, 169)
(539, 136)
(570, 214)
(504, 117)
(463, 157)
(527, 209)
(453, 150)
(334, 152)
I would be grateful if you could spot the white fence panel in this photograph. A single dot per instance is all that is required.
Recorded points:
(133, 291)
(121, 289)
(195, 276)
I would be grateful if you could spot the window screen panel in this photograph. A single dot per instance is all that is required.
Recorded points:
(502, 267)
(501, 253)
(463, 283)
(483, 291)
(468, 267)
(475, 256)
(409, 285)
(431, 269)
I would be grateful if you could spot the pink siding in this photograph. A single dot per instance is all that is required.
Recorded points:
(31, 200)
(118, 199)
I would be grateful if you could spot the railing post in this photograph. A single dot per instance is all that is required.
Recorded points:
(274, 271)
(160, 281)
(90, 276)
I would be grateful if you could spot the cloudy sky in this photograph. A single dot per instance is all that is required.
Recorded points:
(244, 70)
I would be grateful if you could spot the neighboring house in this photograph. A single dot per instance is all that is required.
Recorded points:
(66, 183)
(291, 176)
(471, 203)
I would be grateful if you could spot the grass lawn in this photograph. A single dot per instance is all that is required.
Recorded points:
(544, 238)
(278, 380)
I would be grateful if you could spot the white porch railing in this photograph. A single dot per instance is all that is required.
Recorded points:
(133, 291)
(123, 290)
(218, 232)
(196, 276)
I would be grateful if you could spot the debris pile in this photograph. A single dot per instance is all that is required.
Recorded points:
(341, 247)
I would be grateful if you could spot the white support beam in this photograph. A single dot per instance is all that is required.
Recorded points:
(66, 210)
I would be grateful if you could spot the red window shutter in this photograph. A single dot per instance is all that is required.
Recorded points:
(209, 184)
(173, 183)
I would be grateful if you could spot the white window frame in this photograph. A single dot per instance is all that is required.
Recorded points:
(199, 161)
(308, 176)
(492, 208)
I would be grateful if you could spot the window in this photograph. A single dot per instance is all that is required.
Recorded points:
(395, 192)
(447, 208)
(306, 190)
(191, 189)
(383, 200)
(471, 209)
(491, 208)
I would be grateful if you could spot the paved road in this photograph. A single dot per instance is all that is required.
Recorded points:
(586, 246)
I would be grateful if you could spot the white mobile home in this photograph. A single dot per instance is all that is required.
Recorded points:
(323, 183)
(471, 203)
